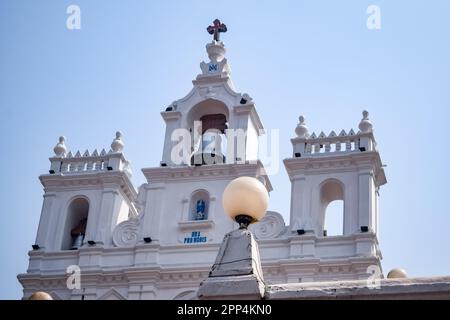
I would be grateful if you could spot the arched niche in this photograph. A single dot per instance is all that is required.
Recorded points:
(199, 205)
(76, 222)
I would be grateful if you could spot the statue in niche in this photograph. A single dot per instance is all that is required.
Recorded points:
(78, 233)
(200, 210)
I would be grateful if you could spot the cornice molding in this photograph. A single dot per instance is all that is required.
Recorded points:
(205, 172)
(336, 162)
(62, 182)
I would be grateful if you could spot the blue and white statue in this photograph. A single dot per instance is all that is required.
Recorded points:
(200, 208)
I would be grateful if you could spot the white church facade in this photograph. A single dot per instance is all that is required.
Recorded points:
(159, 241)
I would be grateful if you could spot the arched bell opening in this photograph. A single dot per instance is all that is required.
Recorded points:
(76, 223)
(209, 132)
(332, 207)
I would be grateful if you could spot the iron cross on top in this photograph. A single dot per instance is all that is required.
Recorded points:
(216, 29)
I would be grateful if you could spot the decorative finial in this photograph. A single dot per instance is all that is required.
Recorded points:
(365, 125)
(117, 144)
(397, 273)
(60, 148)
(302, 130)
(216, 28)
(40, 295)
(365, 114)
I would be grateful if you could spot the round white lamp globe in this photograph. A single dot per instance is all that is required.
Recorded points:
(246, 196)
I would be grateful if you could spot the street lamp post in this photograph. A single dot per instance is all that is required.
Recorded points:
(237, 271)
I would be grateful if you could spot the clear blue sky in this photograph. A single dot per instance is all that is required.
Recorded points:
(132, 58)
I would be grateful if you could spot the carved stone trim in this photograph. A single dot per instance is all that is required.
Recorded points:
(126, 233)
(270, 227)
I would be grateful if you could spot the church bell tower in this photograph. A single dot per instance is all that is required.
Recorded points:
(211, 138)
(86, 196)
(342, 167)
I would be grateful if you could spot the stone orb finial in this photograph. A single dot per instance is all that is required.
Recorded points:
(216, 51)
(397, 273)
(301, 130)
(246, 196)
(60, 148)
(40, 295)
(365, 125)
(117, 144)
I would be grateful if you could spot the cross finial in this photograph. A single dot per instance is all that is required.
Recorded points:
(216, 29)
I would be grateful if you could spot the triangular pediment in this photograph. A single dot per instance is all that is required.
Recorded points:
(112, 294)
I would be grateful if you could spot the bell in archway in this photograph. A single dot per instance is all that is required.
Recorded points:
(78, 233)
(77, 242)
